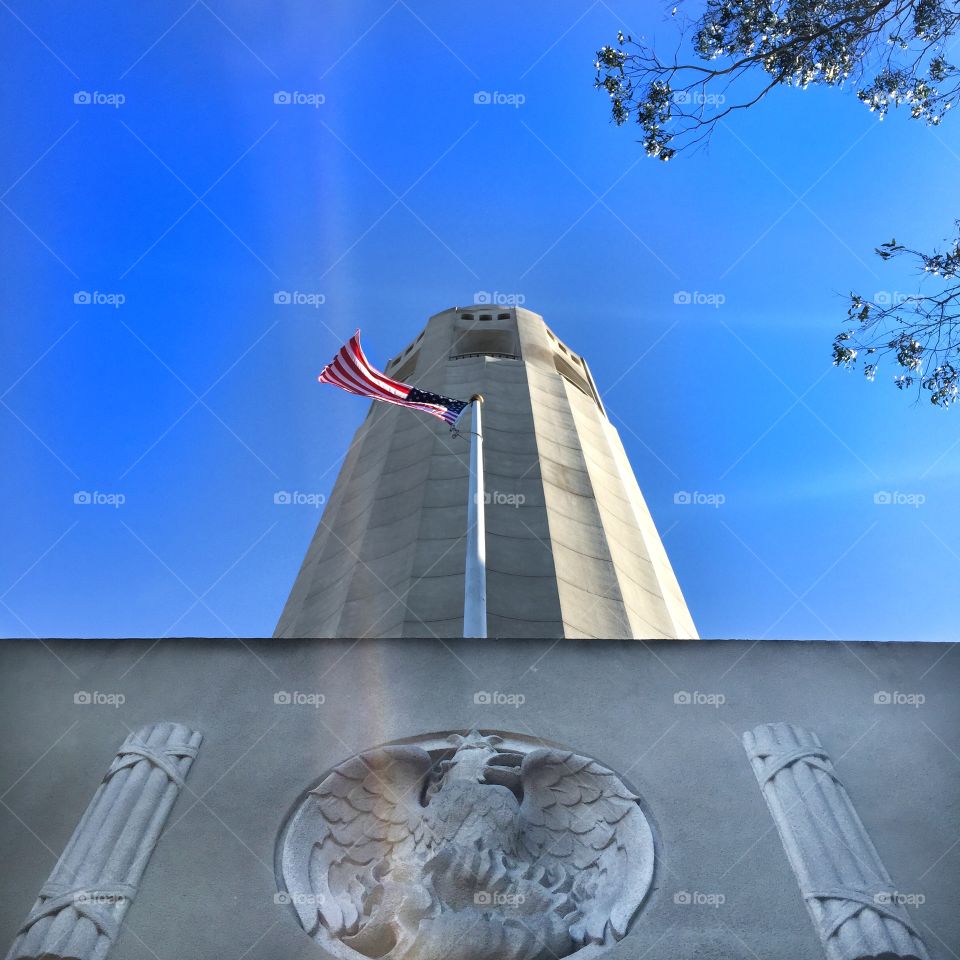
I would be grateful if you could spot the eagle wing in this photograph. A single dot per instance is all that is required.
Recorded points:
(579, 815)
(365, 812)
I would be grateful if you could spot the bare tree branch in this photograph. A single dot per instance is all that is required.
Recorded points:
(893, 52)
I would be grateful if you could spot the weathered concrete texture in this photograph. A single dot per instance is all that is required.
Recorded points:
(571, 548)
(82, 905)
(665, 717)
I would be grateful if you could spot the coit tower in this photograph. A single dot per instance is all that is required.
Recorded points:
(570, 545)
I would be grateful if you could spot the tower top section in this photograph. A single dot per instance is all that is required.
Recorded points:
(495, 331)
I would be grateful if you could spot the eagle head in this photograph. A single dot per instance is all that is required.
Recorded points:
(479, 759)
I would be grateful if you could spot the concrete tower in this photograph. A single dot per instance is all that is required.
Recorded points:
(571, 548)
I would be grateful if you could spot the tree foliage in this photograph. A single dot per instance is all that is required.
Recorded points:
(920, 331)
(892, 52)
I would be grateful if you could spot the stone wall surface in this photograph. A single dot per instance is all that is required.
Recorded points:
(667, 718)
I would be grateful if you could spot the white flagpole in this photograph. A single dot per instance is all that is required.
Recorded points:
(475, 578)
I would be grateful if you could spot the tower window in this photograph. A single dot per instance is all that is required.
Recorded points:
(495, 343)
(404, 372)
(503, 316)
(486, 316)
(576, 378)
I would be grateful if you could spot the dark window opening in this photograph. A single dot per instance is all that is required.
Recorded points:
(576, 378)
(406, 370)
(497, 356)
(494, 343)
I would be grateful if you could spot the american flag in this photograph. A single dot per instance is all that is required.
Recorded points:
(352, 371)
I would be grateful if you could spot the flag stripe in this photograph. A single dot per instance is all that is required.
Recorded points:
(345, 383)
(350, 370)
(349, 380)
(359, 368)
(351, 385)
(357, 351)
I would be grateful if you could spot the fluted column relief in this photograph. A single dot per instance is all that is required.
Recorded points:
(848, 892)
(80, 908)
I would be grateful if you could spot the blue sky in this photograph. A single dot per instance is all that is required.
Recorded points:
(197, 198)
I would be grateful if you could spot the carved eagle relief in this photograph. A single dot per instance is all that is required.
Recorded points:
(473, 852)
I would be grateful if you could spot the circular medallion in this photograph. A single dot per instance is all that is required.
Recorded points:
(477, 847)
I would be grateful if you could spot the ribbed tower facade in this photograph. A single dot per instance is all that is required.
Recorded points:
(571, 548)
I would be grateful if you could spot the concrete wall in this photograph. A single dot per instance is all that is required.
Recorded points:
(208, 891)
(571, 548)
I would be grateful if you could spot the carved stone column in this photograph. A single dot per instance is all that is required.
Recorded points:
(848, 892)
(81, 906)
